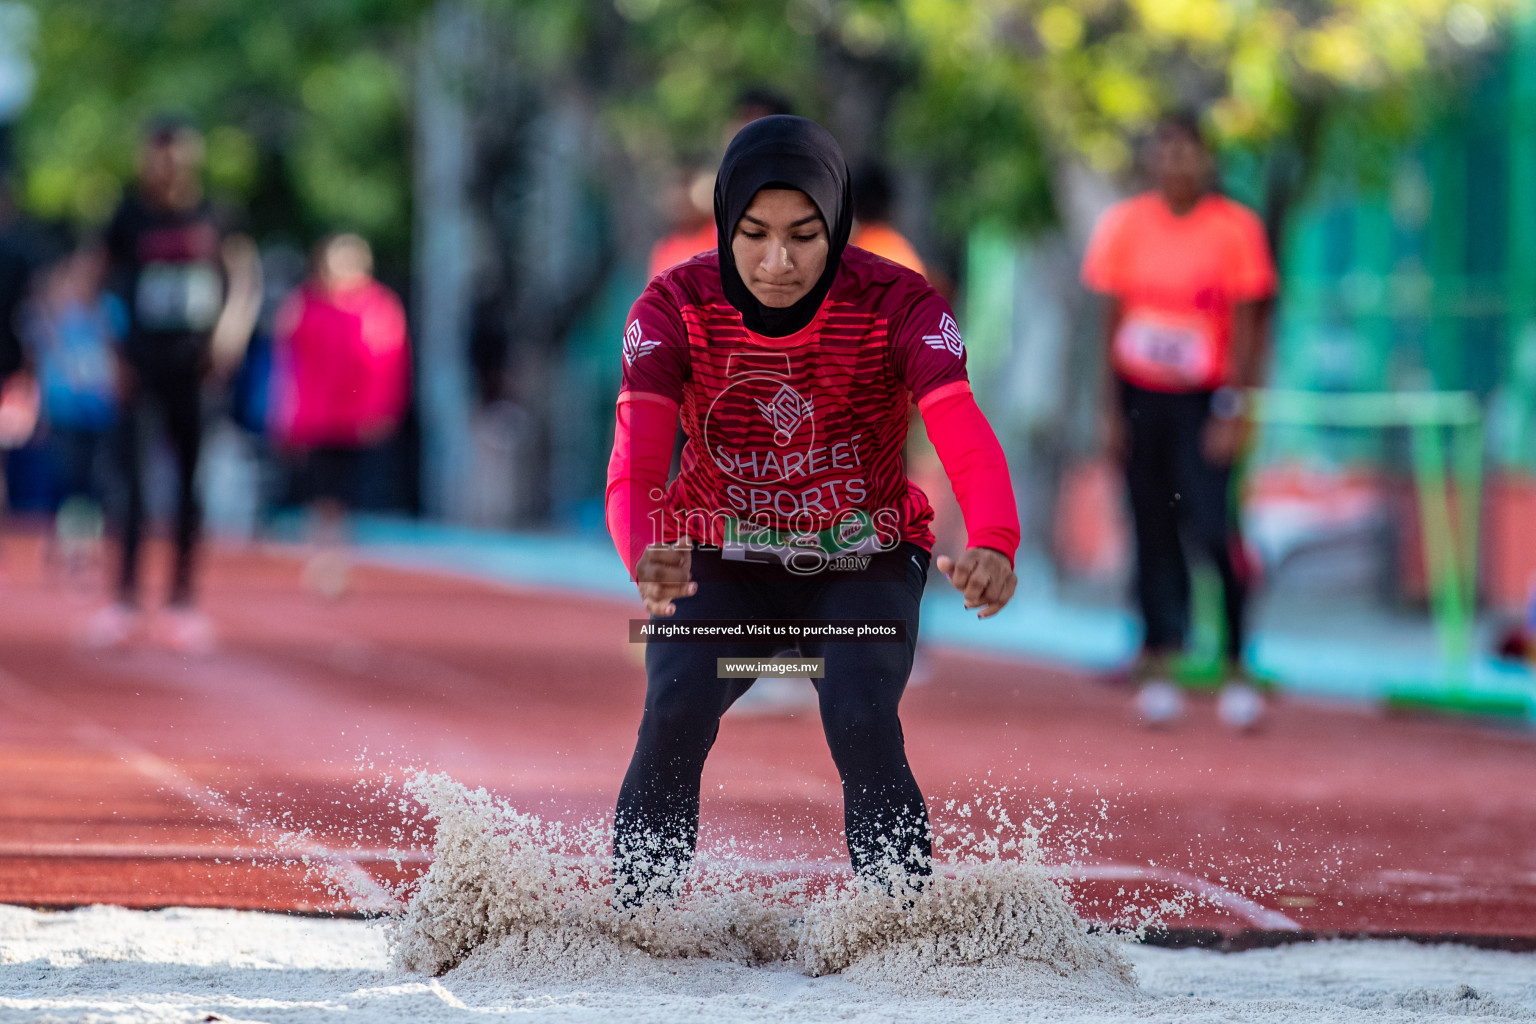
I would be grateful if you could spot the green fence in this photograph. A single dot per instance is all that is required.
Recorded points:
(1427, 279)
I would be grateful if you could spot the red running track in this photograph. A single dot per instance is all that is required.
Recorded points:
(146, 778)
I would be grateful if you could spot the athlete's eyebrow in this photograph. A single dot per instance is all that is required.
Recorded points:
(799, 223)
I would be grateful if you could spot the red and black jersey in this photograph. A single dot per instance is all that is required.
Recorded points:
(803, 433)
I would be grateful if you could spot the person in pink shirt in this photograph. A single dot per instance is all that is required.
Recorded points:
(343, 381)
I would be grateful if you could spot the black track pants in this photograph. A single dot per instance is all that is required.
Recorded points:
(178, 398)
(657, 823)
(1176, 494)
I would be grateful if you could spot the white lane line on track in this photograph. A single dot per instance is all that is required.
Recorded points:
(366, 892)
(189, 851)
(1235, 903)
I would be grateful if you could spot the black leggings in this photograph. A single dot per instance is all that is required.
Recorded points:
(178, 397)
(1176, 493)
(657, 824)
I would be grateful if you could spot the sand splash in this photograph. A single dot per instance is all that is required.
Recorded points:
(534, 895)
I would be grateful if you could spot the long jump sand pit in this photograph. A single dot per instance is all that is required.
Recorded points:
(107, 964)
(514, 919)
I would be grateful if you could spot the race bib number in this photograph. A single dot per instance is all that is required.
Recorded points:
(1167, 350)
(179, 297)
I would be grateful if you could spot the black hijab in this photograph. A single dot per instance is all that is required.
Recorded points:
(782, 151)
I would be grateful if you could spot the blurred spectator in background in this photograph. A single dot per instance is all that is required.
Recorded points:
(192, 288)
(873, 200)
(691, 206)
(72, 328)
(343, 380)
(18, 255)
(751, 104)
(691, 199)
(18, 393)
(18, 418)
(1183, 271)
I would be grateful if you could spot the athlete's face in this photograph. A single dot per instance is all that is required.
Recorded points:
(780, 246)
(345, 262)
(1181, 167)
(169, 166)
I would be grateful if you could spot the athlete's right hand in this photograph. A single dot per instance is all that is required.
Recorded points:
(126, 379)
(663, 573)
(1116, 434)
(984, 576)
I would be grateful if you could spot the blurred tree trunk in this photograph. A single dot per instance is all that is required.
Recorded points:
(560, 255)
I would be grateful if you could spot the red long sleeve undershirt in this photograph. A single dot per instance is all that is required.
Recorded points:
(637, 472)
(974, 462)
(967, 447)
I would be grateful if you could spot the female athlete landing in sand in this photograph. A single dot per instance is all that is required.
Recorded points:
(791, 359)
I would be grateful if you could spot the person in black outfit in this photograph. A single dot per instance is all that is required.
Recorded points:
(192, 288)
(18, 245)
(17, 258)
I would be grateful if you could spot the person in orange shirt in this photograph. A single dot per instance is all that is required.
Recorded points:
(1184, 273)
(873, 231)
(691, 201)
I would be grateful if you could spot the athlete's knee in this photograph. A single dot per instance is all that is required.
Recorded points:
(677, 718)
(862, 726)
(1214, 540)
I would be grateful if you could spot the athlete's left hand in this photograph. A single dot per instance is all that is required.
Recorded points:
(983, 576)
(1224, 440)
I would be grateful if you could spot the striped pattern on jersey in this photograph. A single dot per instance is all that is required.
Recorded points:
(802, 434)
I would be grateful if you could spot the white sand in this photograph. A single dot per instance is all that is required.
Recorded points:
(106, 964)
(528, 901)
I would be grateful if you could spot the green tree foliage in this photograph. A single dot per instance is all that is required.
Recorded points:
(303, 105)
(685, 62)
(989, 94)
(306, 102)
(1095, 73)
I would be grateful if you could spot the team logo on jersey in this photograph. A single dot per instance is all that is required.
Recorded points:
(760, 429)
(948, 338)
(634, 345)
(785, 412)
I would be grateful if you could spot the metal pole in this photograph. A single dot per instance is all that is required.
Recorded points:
(1443, 575)
(442, 257)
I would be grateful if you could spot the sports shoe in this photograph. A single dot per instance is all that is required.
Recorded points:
(112, 627)
(1239, 706)
(187, 631)
(1159, 702)
(328, 574)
